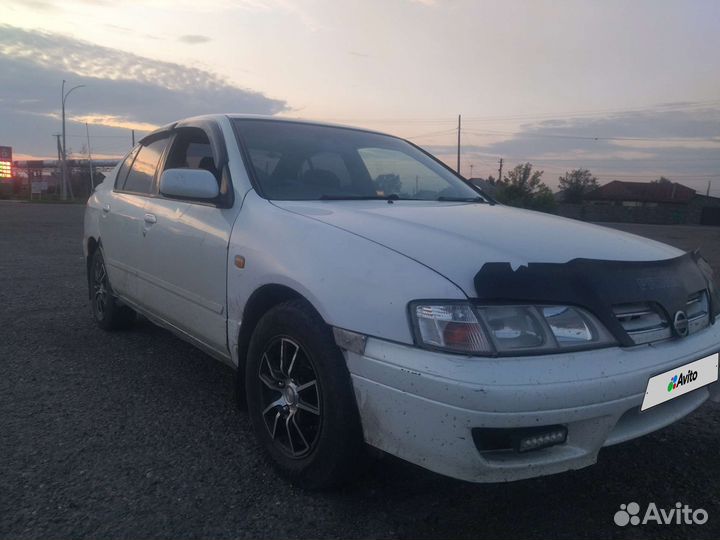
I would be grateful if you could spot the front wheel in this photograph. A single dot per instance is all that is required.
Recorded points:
(107, 312)
(300, 398)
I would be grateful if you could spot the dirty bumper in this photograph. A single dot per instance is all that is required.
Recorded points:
(423, 406)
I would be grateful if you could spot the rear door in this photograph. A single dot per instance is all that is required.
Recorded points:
(122, 216)
(183, 272)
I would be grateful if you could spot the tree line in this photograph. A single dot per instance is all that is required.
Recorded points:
(523, 187)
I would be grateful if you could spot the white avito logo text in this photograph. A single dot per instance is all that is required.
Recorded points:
(680, 514)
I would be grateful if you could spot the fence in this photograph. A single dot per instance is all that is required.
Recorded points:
(42, 179)
(663, 214)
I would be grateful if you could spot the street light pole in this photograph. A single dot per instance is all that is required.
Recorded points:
(92, 180)
(64, 179)
(64, 147)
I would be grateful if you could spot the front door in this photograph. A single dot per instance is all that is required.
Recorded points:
(183, 273)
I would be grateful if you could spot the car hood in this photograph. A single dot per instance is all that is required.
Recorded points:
(457, 239)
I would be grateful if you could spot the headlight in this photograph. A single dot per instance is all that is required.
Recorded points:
(452, 326)
(506, 330)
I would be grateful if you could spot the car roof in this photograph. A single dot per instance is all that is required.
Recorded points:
(265, 117)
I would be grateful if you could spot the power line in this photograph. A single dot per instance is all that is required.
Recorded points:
(551, 166)
(580, 159)
(103, 136)
(674, 176)
(433, 133)
(665, 107)
(594, 138)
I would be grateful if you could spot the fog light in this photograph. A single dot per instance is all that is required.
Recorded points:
(543, 439)
(518, 439)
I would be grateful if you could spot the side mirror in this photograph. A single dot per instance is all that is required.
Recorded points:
(189, 184)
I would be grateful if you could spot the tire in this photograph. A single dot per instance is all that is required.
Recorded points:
(300, 399)
(108, 313)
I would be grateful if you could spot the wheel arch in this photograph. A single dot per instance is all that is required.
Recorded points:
(92, 246)
(262, 300)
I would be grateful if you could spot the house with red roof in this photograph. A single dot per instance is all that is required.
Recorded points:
(662, 202)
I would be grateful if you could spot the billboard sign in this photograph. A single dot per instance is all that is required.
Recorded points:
(38, 187)
(5, 163)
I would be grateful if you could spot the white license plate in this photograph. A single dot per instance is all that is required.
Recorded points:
(681, 380)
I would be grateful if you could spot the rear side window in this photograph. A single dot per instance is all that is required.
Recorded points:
(124, 168)
(141, 175)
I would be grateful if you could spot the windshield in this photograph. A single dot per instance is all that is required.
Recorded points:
(295, 161)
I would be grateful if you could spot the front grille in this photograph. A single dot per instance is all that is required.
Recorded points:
(646, 322)
(698, 311)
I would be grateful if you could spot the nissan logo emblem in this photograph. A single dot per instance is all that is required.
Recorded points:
(680, 323)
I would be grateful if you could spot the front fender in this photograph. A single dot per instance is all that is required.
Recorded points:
(353, 282)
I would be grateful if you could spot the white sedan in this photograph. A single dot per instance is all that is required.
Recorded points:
(368, 296)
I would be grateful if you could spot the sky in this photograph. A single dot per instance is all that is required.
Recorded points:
(629, 90)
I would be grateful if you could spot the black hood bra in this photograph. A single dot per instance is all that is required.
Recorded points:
(599, 285)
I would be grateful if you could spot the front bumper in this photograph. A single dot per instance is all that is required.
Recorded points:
(421, 405)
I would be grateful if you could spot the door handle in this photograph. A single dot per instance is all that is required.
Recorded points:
(150, 219)
(106, 208)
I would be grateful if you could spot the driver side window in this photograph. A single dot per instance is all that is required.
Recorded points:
(191, 149)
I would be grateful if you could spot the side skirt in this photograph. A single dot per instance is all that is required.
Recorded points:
(222, 356)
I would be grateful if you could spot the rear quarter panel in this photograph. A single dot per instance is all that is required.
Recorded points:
(91, 225)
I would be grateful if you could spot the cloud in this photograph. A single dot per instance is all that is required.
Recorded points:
(122, 89)
(680, 141)
(289, 8)
(194, 39)
(38, 5)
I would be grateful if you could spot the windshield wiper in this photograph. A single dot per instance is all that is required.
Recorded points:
(391, 197)
(462, 199)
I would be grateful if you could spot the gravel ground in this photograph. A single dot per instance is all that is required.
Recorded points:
(135, 435)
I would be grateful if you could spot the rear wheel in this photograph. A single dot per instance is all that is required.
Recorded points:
(107, 311)
(300, 398)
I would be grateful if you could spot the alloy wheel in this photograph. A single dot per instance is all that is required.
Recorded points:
(100, 289)
(291, 399)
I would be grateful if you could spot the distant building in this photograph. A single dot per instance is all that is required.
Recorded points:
(646, 202)
(646, 194)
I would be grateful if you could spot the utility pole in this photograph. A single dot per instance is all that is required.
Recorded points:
(707, 193)
(27, 171)
(92, 180)
(59, 147)
(64, 146)
(458, 156)
(471, 168)
(60, 160)
(500, 170)
(133, 137)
